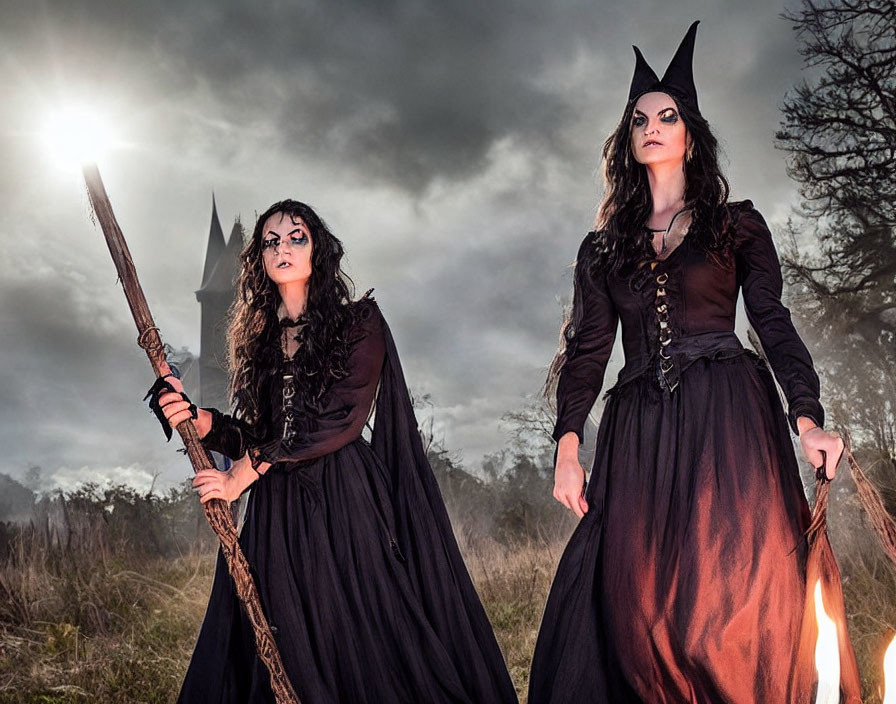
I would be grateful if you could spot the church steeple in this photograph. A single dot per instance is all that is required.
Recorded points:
(226, 267)
(215, 296)
(215, 245)
(234, 249)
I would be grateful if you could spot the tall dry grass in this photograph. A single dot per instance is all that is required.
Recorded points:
(513, 583)
(105, 604)
(100, 597)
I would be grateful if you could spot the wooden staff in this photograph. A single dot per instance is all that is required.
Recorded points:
(216, 510)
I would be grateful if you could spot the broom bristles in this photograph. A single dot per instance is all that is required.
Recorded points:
(873, 504)
(822, 565)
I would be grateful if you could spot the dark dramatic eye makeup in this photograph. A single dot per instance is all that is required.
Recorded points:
(669, 116)
(296, 238)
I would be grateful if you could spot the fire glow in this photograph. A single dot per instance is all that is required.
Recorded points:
(827, 654)
(890, 673)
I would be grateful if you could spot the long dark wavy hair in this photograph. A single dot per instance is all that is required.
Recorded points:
(254, 334)
(621, 242)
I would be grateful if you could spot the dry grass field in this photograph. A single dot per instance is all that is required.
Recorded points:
(108, 609)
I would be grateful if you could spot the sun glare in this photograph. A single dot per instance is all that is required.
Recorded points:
(75, 135)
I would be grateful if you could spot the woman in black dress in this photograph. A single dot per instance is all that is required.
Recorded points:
(356, 564)
(685, 579)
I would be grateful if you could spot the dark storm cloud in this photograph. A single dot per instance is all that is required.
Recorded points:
(403, 91)
(452, 145)
(61, 380)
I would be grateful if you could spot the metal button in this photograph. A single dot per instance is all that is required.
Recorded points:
(662, 278)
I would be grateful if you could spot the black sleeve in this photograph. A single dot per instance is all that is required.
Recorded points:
(588, 351)
(349, 402)
(759, 275)
(230, 436)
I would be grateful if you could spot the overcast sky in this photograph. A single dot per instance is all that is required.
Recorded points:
(452, 145)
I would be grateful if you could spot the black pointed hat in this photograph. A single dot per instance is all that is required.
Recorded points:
(678, 80)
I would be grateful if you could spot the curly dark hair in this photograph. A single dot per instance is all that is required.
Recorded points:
(254, 334)
(621, 241)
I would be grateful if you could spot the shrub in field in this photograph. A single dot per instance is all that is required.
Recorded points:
(101, 596)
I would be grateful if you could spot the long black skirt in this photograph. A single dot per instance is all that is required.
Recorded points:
(356, 619)
(685, 581)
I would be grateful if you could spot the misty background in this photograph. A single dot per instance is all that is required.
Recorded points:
(453, 147)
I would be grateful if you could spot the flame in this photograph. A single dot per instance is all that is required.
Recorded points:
(890, 673)
(827, 654)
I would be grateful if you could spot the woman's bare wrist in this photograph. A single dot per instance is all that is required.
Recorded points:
(803, 423)
(246, 475)
(203, 422)
(568, 446)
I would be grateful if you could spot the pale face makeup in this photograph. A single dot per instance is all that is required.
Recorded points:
(286, 249)
(658, 133)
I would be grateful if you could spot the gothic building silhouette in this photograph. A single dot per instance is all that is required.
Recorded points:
(215, 296)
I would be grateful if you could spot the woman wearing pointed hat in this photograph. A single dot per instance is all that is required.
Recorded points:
(685, 580)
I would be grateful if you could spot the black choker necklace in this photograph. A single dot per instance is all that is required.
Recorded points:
(290, 323)
(665, 230)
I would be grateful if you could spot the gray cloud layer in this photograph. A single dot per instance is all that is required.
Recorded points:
(453, 146)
